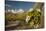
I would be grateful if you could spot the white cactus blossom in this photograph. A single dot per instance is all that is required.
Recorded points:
(36, 26)
(38, 10)
(27, 18)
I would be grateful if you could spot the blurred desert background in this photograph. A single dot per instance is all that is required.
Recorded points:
(31, 18)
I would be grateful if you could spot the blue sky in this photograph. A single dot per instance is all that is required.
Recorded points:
(18, 5)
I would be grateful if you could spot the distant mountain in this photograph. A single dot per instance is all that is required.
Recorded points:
(15, 11)
(20, 11)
